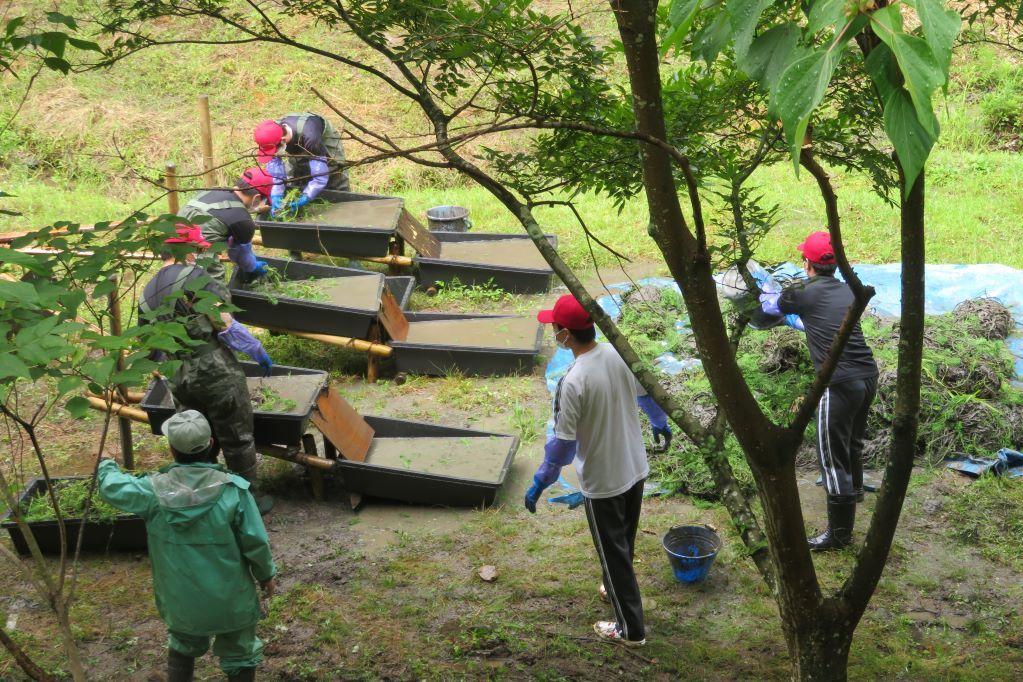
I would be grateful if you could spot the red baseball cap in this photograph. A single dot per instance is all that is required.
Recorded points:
(568, 313)
(188, 234)
(817, 248)
(268, 136)
(258, 179)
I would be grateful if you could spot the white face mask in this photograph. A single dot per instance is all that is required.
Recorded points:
(560, 344)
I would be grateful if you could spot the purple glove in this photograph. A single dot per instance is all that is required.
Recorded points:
(557, 453)
(243, 255)
(239, 339)
(319, 171)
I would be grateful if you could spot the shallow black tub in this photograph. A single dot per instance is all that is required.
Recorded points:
(269, 428)
(312, 316)
(330, 238)
(418, 487)
(513, 279)
(438, 359)
(127, 532)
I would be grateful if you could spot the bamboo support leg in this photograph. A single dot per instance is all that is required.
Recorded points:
(315, 475)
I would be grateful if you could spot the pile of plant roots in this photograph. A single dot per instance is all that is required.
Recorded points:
(969, 405)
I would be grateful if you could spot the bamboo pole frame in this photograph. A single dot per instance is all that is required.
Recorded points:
(170, 181)
(206, 136)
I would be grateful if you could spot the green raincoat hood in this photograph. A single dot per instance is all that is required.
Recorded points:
(187, 492)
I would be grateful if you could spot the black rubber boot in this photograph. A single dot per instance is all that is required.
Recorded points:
(243, 675)
(841, 516)
(180, 668)
(860, 496)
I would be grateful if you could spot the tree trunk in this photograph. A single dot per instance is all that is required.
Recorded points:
(821, 653)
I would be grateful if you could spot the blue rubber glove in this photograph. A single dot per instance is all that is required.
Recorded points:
(298, 203)
(662, 433)
(795, 321)
(276, 204)
(238, 338)
(573, 500)
(243, 255)
(533, 495)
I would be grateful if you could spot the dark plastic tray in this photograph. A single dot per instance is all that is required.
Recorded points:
(441, 360)
(512, 279)
(333, 240)
(269, 428)
(126, 532)
(416, 487)
(311, 316)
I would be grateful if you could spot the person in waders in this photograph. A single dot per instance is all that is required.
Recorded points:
(207, 546)
(224, 216)
(596, 425)
(210, 378)
(301, 150)
(821, 302)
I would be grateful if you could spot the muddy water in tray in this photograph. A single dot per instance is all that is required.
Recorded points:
(300, 389)
(382, 213)
(479, 459)
(359, 291)
(503, 332)
(512, 253)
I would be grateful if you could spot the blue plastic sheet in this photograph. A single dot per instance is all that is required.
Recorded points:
(1006, 462)
(946, 287)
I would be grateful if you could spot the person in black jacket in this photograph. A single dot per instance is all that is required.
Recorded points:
(821, 302)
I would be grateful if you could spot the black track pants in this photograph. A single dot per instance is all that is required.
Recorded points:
(613, 525)
(841, 423)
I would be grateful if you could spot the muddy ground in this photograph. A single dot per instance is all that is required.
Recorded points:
(392, 591)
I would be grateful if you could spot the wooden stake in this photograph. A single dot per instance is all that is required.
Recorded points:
(170, 181)
(123, 423)
(206, 134)
(315, 473)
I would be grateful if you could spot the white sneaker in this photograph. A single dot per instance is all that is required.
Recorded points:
(608, 631)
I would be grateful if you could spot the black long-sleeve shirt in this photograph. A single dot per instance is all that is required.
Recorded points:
(821, 302)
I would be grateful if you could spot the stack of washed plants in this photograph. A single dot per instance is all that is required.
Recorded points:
(969, 403)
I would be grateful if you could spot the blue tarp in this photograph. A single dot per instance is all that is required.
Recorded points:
(946, 287)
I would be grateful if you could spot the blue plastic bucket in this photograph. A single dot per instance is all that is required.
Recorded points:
(691, 551)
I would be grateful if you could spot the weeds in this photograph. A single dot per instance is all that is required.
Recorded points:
(72, 498)
(266, 398)
(527, 425)
(274, 286)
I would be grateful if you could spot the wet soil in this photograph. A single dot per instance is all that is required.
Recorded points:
(361, 292)
(479, 459)
(507, 332)
(514, 253)
(381, 213)
(301, 388)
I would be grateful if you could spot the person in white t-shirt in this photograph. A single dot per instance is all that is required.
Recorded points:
(596, 425)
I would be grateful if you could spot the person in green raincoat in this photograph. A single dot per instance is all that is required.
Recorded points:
(208, 548)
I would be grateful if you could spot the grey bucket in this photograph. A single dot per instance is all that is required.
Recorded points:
(449, 219)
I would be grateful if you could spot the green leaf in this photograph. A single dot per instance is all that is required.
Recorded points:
(57, 64)
(911, 140)
(801, 88)
(58, 18)
(712, 38)
(826, 14)
(743, 16)
(78, 407)
(11, 366)
(921, 72)
(769, 54)
(29, 261)
(22, 293)
(67, 384)
(941, 26)
(883, 71)
(681, 14)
